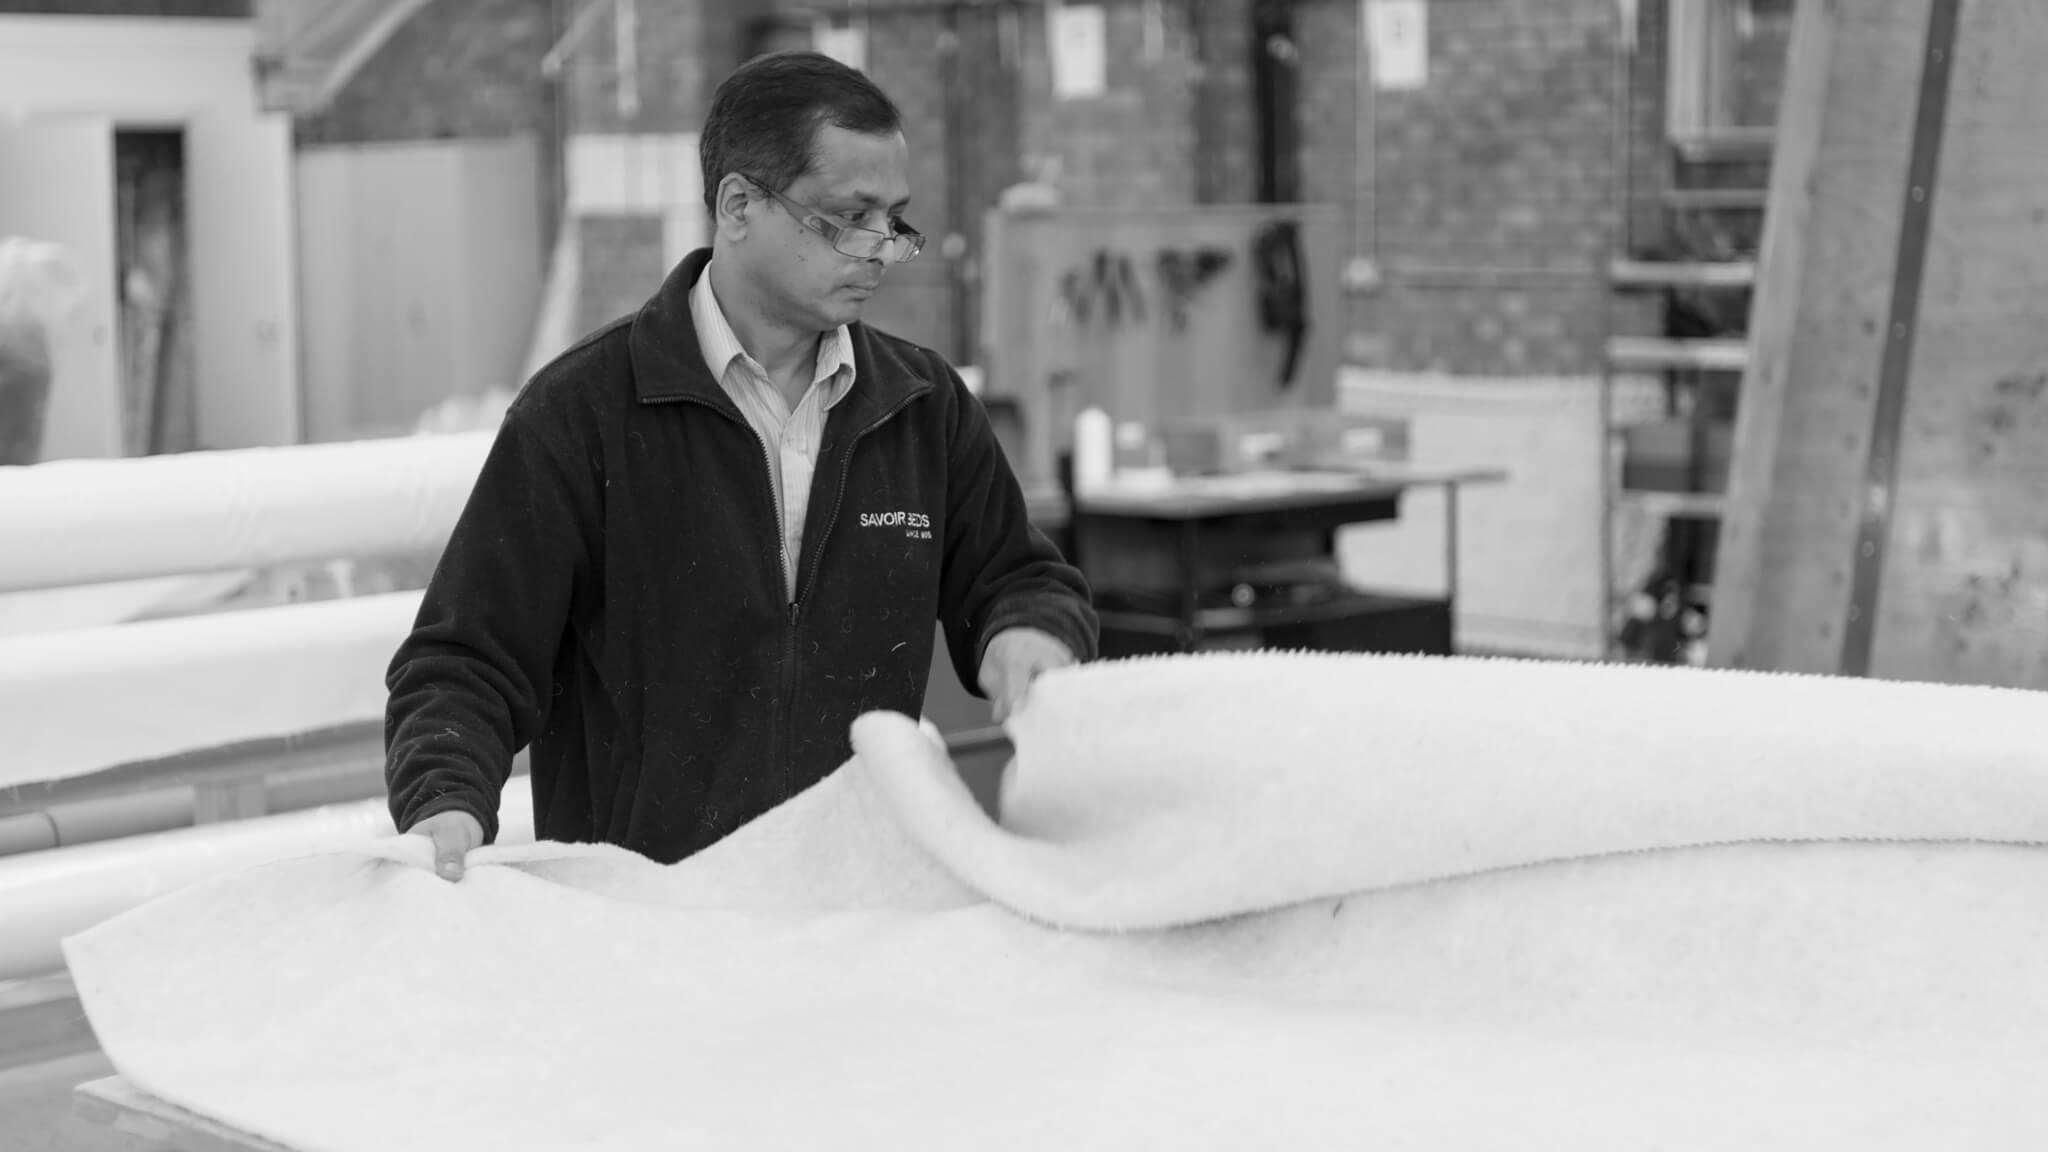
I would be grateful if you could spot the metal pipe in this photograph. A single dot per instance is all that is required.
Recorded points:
(99, 818)
(47, 896)
(72, 522)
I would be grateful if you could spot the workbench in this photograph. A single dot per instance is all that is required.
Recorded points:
(1154, 553)
(116, 1104)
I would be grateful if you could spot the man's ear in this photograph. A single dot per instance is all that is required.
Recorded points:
(730, 214)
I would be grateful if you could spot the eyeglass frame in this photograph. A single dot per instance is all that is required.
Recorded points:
(817, 221)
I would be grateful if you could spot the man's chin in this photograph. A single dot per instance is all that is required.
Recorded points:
(842, 310)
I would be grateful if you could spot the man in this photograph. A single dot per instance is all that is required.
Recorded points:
(709, 536)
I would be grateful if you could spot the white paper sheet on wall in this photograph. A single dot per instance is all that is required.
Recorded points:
(1079, 35)
(843, 41)
(1397, 41)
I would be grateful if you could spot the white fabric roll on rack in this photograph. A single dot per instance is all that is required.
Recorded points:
(70, 522)
(93, 698)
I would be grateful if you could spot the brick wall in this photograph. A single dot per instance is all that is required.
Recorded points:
(675, 68)
(975, 86)
(1488, 198)
(453, 71)
(1491, 195)
(1334, 117)
(1649, 154)
(1226, 130)
(1134, 144)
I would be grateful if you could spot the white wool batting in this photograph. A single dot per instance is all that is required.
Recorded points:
(1361, 902)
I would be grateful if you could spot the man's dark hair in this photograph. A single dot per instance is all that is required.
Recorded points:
(765, 116)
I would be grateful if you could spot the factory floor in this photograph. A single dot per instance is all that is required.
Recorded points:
(35, 1109)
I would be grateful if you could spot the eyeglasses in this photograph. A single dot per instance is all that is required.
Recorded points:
(848, 239)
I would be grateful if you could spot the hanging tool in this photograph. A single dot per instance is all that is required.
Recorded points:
(1283, 289)
(1118, 282)
(1182, 273)
(1106, 280)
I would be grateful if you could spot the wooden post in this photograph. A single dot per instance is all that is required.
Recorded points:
(1886, 513)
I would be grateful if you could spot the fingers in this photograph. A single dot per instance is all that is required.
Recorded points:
(1014, 661)
(1013, 688)
(453, 835)
(448, 853)
(995, 684)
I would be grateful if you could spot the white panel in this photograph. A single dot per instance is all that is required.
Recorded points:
(142, 72)
(1078, 37)
(238, 168)
(648, 173)
(195, 75)
(499, 211)
(842, 40)
(1528, 564)
(192, 683)
(659, 175)
(421, 269)
(331, 358)
(57, 185)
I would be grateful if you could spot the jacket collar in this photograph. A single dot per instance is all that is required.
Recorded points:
(668, 360)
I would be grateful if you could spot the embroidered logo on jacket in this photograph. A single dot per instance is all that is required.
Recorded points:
(915, 525)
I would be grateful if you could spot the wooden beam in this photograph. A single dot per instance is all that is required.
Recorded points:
(1740, 615)
(1892, 442)
(1902, 329)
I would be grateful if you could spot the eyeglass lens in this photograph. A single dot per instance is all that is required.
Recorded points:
(866, 243)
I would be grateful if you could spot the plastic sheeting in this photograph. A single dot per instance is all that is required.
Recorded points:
(79, 701)
(72, 522)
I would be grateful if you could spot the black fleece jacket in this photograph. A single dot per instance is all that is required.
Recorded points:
(613, 593)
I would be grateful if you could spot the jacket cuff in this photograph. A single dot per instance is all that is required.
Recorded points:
(1069, 627)
(463, 801)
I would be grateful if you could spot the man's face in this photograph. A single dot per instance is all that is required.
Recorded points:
(856, 180)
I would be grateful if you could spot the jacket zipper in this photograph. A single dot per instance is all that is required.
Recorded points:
(788, 735)
(779, 734)
(784, 733)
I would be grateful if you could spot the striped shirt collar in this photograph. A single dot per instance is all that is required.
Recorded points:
(834, 373)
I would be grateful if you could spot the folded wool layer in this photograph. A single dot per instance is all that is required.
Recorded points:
(1157, 792)
(833, 977)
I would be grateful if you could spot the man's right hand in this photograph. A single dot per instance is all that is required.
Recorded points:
(454, 834)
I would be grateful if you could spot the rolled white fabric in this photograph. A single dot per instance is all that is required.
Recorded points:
(79, 701)
(71, 522)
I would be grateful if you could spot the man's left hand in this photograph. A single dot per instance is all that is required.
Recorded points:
(1013, 659)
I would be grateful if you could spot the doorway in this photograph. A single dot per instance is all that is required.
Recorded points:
(153, 285)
